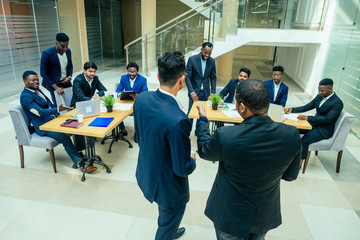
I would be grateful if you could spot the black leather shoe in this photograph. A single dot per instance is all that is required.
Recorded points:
(179, 232)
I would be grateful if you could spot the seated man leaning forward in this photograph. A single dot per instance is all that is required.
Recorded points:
(131, 82)
(244, 202)
(229, 89)
(328, 108)
(86, 84)
(39, 110)
(277, 89)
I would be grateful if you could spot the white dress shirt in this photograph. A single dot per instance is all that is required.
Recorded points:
(324, 100)
(63, 64)
(276, 90)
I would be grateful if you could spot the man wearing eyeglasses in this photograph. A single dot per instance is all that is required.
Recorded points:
(131, 82)
(277, 89)
(56, 67)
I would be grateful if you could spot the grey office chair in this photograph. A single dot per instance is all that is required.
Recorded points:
(336, 142)
(64, 99)
(24, 138)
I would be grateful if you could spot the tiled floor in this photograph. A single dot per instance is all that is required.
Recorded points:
(36, 203)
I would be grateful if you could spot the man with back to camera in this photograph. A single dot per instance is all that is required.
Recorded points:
(56, 67)
(85, 85)
(277, 89)
(229, 90)
(328, 108)
(165, 161)
(200, 70)
(244, 202)
(131, 82)
(39, 110)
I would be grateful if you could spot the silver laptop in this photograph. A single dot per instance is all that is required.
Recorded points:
(87, 108)
(275, 112)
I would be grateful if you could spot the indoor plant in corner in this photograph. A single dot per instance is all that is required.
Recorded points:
(215, 100)
(109, 102)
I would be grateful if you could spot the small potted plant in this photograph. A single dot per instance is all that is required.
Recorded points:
(109, 102)
(215, 100)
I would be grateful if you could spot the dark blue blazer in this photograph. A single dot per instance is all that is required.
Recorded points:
(326, 115)
(37, 110)
(139, 84)
(194, 78)
(164, 163)
(282, 93)
(253, 157)
(50, 69)
(229, 90)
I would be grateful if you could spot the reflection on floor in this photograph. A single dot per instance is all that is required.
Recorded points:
(37, 204)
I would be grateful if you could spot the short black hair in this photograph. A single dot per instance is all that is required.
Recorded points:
(171, 66)
(62, 37)
(254, 94)
(245, 70)
(28, 73)
(209, 44)
(326, 82)
(132, 64)
(90, 64)
(278, 68)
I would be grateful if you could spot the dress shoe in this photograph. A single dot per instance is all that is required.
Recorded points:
(90, 169)
(179, 232)
(124, 132)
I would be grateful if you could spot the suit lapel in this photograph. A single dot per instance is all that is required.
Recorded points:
(56, 59)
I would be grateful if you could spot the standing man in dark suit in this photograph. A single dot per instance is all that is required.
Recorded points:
(328, 108)
(200, 72)
(86, 84)
(277, 89)
(229, 89)
(39, 110)
(56, 67)
(244, 202)
(164, 162)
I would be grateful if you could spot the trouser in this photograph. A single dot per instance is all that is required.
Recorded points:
(225, 236)
(68, 145)
(201, 96)
(122, 126)
(309, 137)
(80, 142)
(168, 222)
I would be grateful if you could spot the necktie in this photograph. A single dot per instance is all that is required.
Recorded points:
(40, 95)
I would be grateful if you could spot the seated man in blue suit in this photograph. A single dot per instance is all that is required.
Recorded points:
(277, 89)
(56, 67)
(164, 161)
(39, 110)
(131, 82)
(229, 89)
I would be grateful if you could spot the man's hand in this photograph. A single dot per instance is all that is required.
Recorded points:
(65, 80)
(59, 91)
(194, 97)
(222, 103)
(63, 108)
(95, 96)
(302, 117)
(134, 95)
(288, 110)
(202, 110)
(193, 155)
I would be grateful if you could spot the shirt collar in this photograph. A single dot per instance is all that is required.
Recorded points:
(133, 79)
(177, 101)
(277, 85)
(31, 90)
(328, 96)
(87, 79)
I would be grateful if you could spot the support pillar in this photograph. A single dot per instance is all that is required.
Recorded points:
(148, 23)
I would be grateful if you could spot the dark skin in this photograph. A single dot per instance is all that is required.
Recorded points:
(324, 91)
(61, 48)
(205, 53)
(32, 82)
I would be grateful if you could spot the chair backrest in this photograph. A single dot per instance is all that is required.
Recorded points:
(218, 90)
(20, 122)
(116, 86)
(342, 129)
(64, 99)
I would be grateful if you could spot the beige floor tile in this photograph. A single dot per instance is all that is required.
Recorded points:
(351, 192)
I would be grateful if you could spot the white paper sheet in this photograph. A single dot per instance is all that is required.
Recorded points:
(123, 106)
(291, 116)
(231, 114)
(231, 107)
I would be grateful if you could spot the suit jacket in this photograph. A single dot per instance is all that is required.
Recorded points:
(282, 94)
(82, 90)
(37, 110)
(253, 157)
(164, 162)
(194, 78)
(50, 69)
(229, 90)
(326, 115)
(139, 84)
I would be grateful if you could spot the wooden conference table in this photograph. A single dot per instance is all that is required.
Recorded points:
(218, 115)
(92, 132)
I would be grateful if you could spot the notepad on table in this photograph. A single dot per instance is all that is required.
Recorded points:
(101, 122)
(71, 123)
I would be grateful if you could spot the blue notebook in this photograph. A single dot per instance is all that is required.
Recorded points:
(101, 122)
